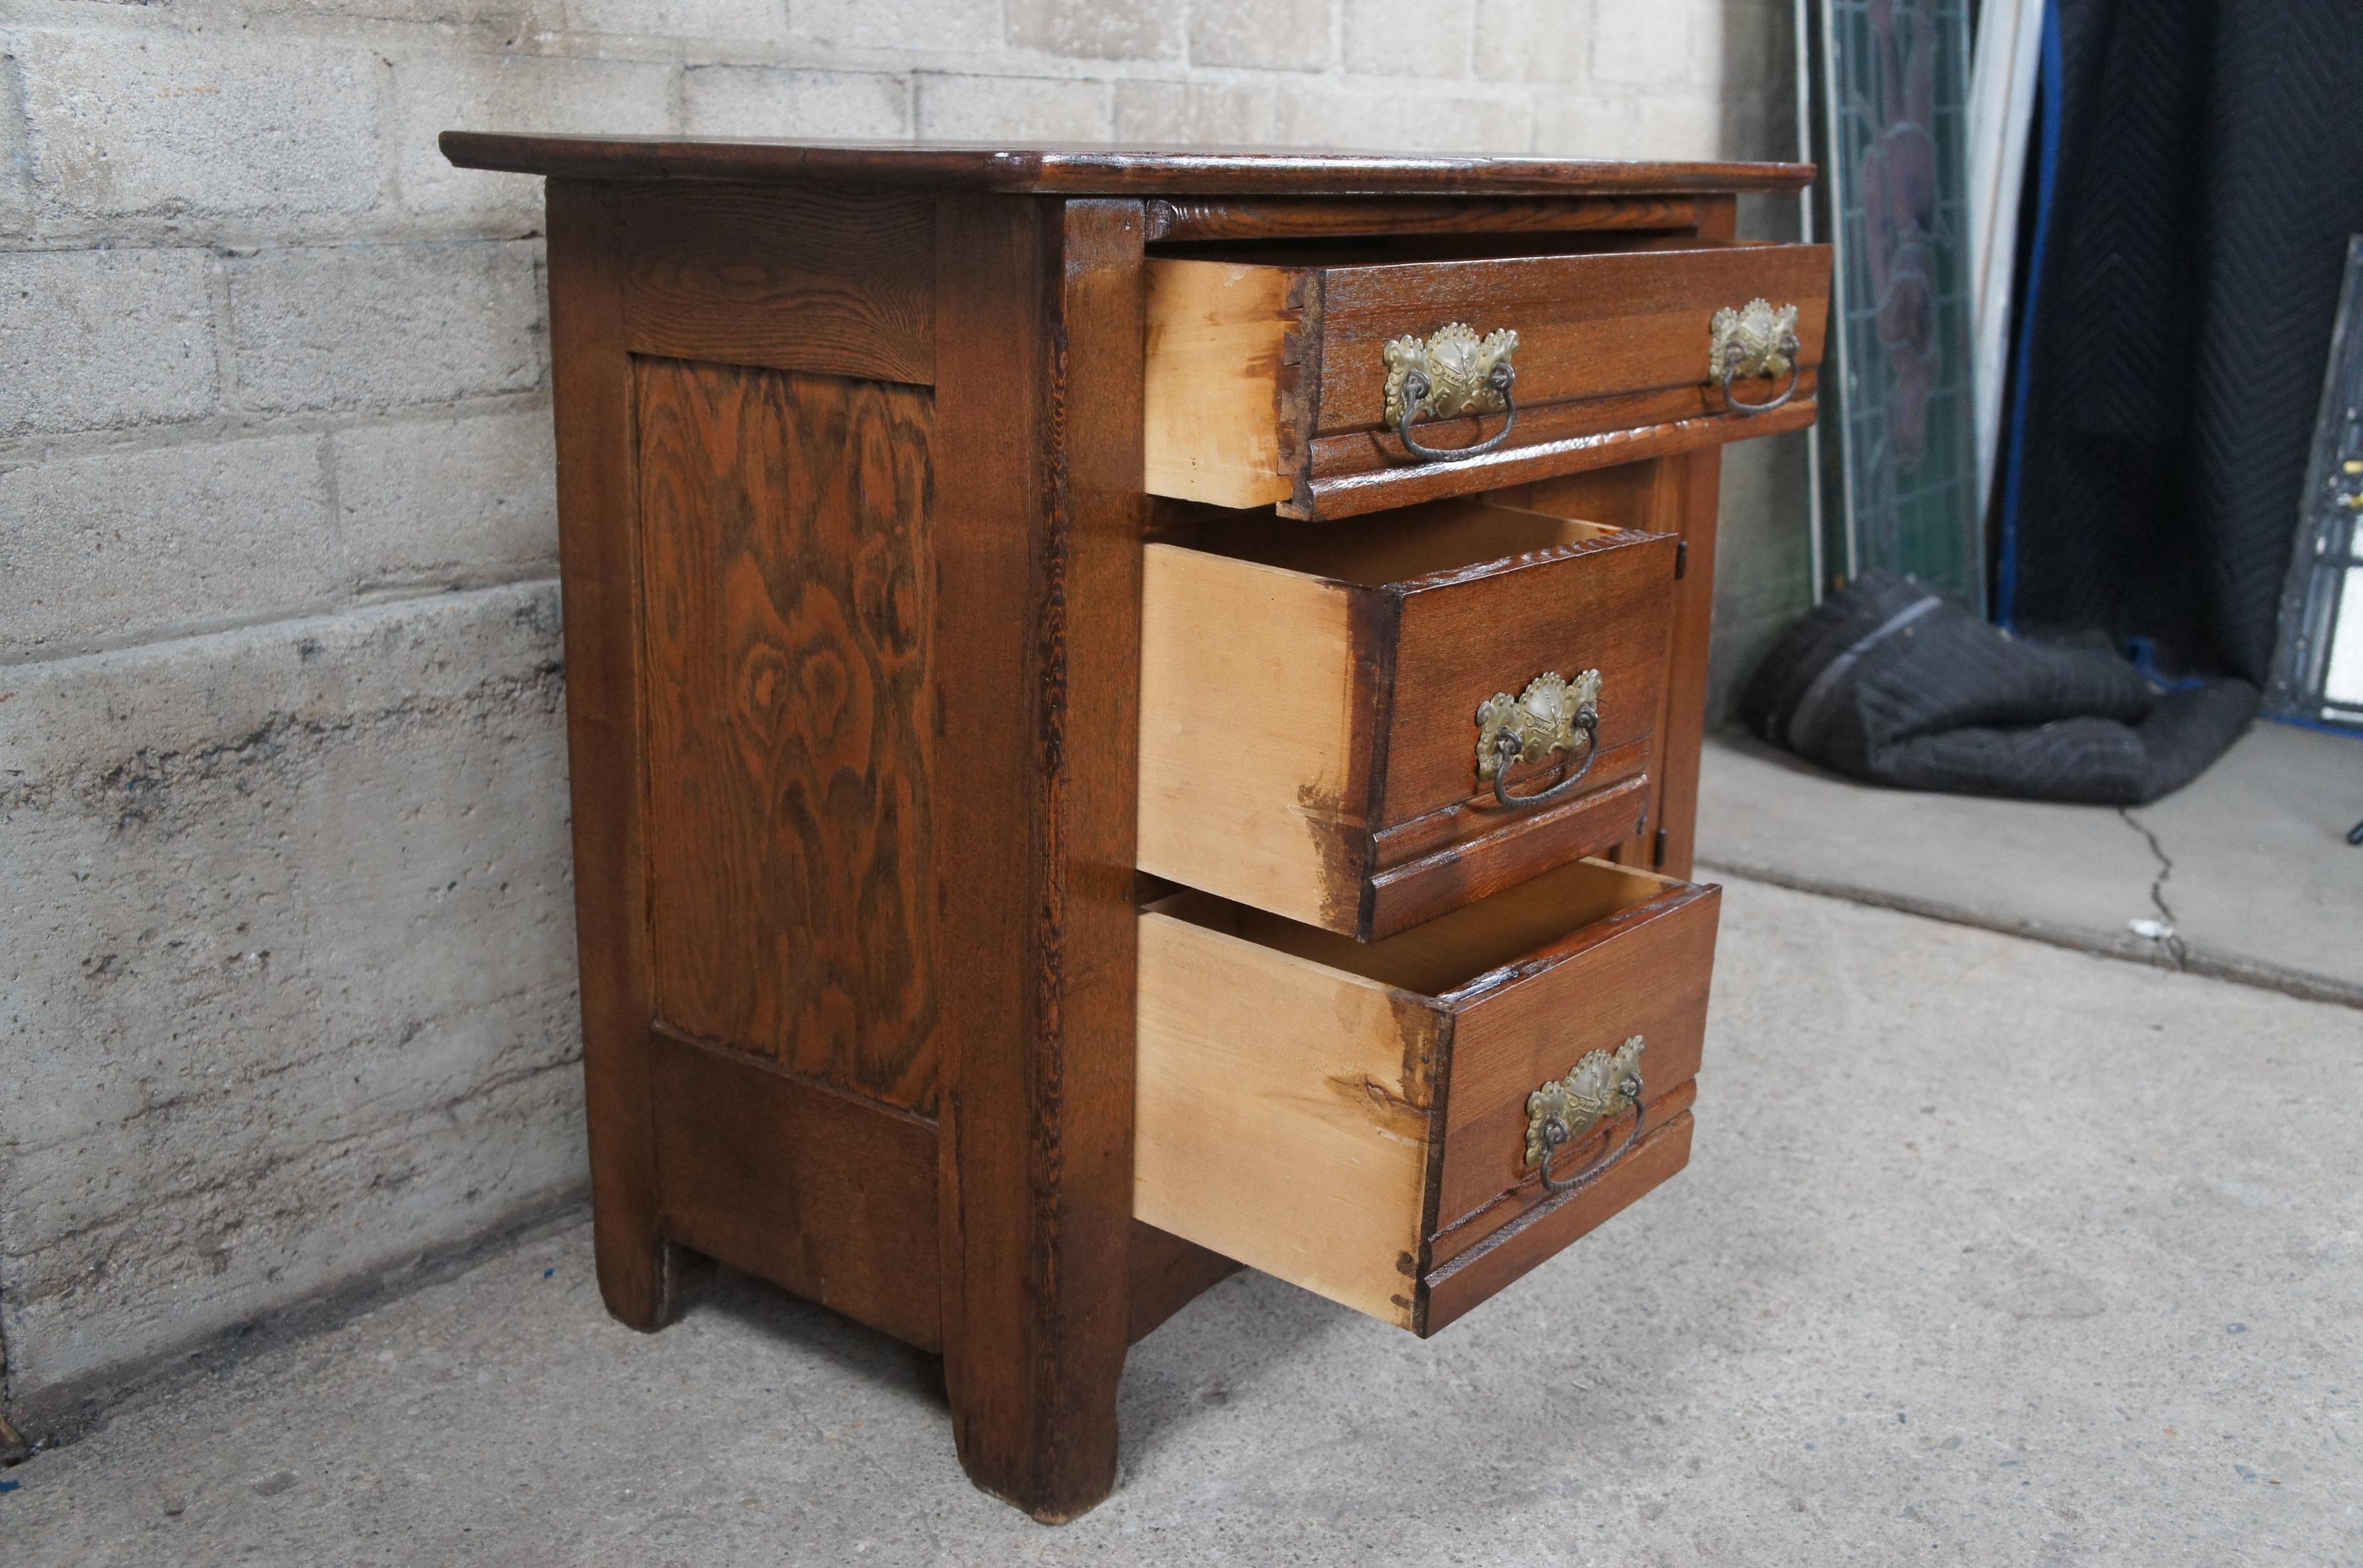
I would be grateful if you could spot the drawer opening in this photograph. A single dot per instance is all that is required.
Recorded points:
(1399, 546)
(1454, 955)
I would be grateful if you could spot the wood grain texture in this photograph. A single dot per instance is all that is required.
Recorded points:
(1588, 326)
(828, 1193)
(824, 280)
(1346, 483)
(1482, 1273)
(1309, 695)
(1285, 1109)
(1329, 1111)
(1097, 171)
(1253, 766)
(1183, 221)
(1211, 380)
(790, 609)
(1040, 319)
(598, 493)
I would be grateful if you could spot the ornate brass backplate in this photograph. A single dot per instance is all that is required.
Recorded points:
(1551, 714)
(1458, 366)
(1755, 341)
(1590, 1091)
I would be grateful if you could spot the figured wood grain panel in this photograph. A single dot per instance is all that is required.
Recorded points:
(789, 598)
(1588, 326)
(805, 279)
(1218, 336)
(1250, 763)
(829, 1194)
(1284, 1113)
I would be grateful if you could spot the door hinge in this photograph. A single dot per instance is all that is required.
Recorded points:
(1657, 850)
(1681, 558)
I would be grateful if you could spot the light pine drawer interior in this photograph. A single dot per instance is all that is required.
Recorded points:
(1353, 1117)
(1266, 380)
(1309, 730)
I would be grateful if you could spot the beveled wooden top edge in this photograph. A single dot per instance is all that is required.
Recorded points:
(1099, 171)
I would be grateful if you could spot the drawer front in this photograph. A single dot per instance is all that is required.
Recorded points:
(1312, 745)
(1268, 384)
(1353, 1117)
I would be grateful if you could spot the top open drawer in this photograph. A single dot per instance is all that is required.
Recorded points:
(1268, 383)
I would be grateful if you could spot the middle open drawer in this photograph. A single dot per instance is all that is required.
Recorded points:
(1351, 724)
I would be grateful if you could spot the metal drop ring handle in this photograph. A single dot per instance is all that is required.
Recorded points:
(1507, 750)
(1416, 389)
(1555, 1135)
(1732, 359)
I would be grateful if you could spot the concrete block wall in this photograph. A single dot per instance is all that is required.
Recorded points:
(285, 941)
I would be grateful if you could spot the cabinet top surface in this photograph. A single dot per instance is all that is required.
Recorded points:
(1099, 171)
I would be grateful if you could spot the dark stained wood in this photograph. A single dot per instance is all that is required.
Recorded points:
(1621, 435)
(1037, 632)
(599, 570)
(1643, 972)
(828, 1193)
(1544, 1232)
(796, 280)
(790, 605)
(1698, 475)
(1418, 878)
(1588, 326)
(1179, 222)
(1168, 1273)
(1098, 170)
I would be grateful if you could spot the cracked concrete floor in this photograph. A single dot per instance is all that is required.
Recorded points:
(1991, 1253)
(2246, 869)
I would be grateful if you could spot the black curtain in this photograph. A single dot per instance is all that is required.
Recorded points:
(2209, 168)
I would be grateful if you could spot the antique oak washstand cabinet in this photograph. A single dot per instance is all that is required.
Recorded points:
(1132, 713)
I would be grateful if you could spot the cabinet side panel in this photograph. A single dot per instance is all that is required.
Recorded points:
(785, 536)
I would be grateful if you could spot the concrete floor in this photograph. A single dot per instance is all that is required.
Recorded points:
(2248, 864)
(1991, 1253)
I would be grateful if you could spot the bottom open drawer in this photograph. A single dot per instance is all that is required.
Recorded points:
(1361, 1118)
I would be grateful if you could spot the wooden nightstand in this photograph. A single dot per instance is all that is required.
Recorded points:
(1066, 795)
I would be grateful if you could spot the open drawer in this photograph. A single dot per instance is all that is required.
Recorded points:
(1365, 1119)
(1273, 385)
(1323, 709)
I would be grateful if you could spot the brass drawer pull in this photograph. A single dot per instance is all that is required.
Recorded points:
(1757, 341)
(1553, 714)
(1602, 1085)
(1452, 374)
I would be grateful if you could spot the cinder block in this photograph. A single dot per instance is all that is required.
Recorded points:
(150, 121)
(117, 545)
(1193, 112)
(1272, 34)
(934, 26)
(376, 326)
(452, 500)
(753, 100)
(1383, 119)
(1012, 108)
(290, 977)
(1410, 38)
(99, 339)
(1533, 40)
(1596, 124)
(678, 18)
(1657, 44)
(512, 93)
(1096, 29)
